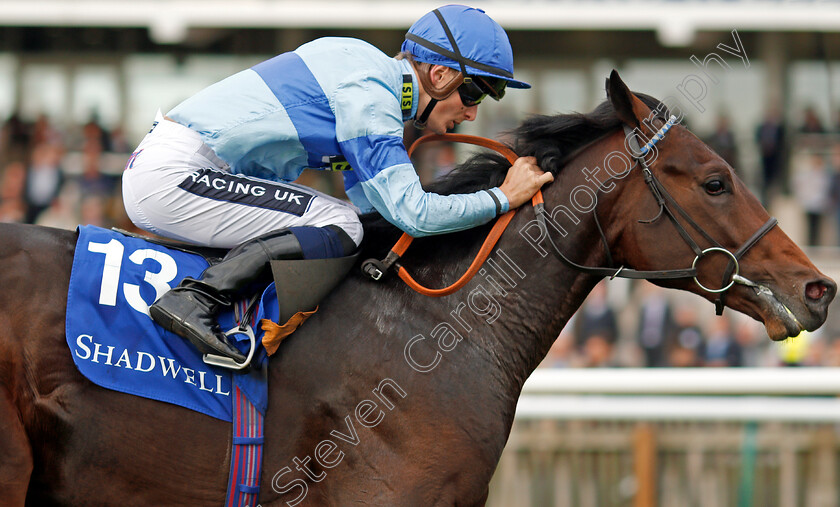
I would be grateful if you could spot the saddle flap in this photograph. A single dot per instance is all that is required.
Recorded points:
(302, 284)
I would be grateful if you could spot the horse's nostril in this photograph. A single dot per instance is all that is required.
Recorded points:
(816, 290)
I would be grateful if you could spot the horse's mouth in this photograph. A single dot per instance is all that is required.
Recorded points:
(781, 323)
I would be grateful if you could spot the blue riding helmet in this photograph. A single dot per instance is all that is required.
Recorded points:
(465, 39)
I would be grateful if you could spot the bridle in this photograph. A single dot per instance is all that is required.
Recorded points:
(667, 206)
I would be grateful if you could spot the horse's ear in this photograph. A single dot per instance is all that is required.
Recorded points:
(628, 107)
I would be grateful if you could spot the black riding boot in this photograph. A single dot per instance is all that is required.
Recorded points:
(190, 309)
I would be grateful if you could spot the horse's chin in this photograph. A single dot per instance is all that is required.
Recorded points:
(779, 329)
(781, 323)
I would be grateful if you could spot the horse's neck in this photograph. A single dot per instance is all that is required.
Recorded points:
(547, 292)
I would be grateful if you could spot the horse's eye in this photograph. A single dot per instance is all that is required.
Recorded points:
(714, 187)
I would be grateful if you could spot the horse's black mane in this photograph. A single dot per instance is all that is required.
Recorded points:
(552, 139)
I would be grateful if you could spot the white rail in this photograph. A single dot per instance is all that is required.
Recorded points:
(799, 381)
(742, 394)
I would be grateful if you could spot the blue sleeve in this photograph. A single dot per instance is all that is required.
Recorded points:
(395, 191)
(369, 126)
(354, 192)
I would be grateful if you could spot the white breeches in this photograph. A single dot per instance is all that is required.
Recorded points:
(175, 186)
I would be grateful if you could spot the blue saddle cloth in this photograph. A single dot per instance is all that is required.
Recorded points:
(116, 345)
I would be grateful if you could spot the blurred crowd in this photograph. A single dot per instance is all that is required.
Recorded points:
(801, 162)
(61, 178)
(657, 328)
(66, 176)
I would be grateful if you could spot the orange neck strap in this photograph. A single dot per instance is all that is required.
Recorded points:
(376, 268)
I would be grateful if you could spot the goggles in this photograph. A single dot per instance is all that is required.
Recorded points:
(476, 88)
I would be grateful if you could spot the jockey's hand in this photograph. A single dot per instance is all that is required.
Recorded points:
(523, 180)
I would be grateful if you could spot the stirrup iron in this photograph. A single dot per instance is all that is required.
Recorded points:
(226, 362)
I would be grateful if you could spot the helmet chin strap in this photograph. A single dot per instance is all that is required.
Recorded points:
(420, 123)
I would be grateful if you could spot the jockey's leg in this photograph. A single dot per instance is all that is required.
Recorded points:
(176, 187)
(190, 309)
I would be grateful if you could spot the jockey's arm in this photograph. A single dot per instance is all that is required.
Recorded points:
(397, 194)
(370, 136)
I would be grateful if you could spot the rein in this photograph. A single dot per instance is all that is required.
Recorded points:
(377, 268)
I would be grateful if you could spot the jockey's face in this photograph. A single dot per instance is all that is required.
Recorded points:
(450, 111)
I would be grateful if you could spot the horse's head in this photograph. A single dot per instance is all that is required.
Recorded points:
(776, 283)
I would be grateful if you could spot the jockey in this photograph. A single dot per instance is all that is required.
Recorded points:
(217, 170)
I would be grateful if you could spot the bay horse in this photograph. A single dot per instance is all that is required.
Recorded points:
(387, 397)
